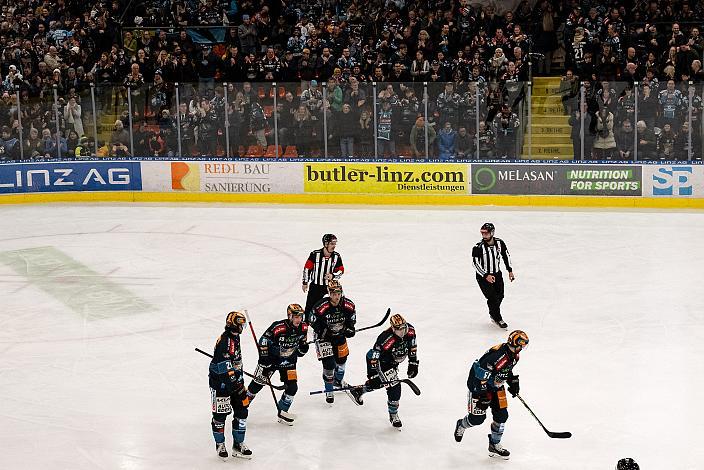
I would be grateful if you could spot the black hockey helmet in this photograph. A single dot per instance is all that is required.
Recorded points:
(489, 227)
(328, 237)
(627, 464)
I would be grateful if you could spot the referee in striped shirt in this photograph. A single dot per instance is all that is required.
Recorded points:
(486, 257)
(321, 266)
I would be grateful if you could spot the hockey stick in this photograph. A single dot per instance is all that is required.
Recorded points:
(554, 435)
(277, 387)
(408, 382)
(386, 316)
(271, 387)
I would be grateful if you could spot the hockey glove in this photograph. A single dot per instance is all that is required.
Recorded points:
(374, 382)
(513, 385)
(483, 402)
(302, 349)
(412, 369)
(349, 332)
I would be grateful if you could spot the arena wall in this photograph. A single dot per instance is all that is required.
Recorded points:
(366, 182)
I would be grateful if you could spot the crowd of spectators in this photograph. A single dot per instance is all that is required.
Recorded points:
(347, 73)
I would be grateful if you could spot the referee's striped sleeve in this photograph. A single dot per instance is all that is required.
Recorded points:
(477, 260)
(506, 256)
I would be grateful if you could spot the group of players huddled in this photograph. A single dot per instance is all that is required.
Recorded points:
(332, 318)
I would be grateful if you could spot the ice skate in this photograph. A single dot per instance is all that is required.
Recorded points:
(395, 420)
(497, 450)
(241, 451)
(222, 451)
(459, 430)
(355, 395)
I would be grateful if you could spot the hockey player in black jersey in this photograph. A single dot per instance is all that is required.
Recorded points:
(227, 391)
(390, 349)
(486, 389)
(333, 320)
(279, 348)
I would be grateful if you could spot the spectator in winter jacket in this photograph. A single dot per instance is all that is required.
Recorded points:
(447, 140)
(464, 146)
(347, 124)
(417, 138)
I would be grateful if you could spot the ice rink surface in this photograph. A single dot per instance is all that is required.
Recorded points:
(102, 306)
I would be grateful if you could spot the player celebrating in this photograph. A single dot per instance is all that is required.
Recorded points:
(486, 389)
(390, 349)
(486, 257)
(322, 266)
(227, 392)
(279, 348)
(334, 319)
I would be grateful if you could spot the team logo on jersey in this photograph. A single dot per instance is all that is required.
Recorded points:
(185, 176)
(388, 343)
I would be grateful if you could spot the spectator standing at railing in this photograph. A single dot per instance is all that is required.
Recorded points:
(464, 144)
(569, 91)
(345, 122)
(134, 82)
(575, 121)
(671, 104)
(605, 142)
(646, 141)
(385, 131)
(487, 141)
(448, 103)
(365, 134)
(247, 33)
(9, 145)
(72, 116)
(506, 125)
(207, 120)
(666, 143)
(32, 146)
(303, 131)
(417, 139)
(624, 140)
(447, 142)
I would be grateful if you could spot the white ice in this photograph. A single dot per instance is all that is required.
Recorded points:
(612, 302)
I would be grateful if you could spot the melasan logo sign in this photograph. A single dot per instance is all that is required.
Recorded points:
(528, 179)
(674, 180)
(70, 176)
(386, 178)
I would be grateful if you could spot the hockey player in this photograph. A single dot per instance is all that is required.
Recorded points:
(486, 389)
(334, 319)
(627, 464)
(227, 391)
(321, 267)
(390, 349)
(486, 257)
(279, 348)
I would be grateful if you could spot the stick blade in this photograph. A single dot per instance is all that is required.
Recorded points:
(412, 385)
(560, 435)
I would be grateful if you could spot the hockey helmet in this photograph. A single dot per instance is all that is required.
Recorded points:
(489, 227)
(294, 310)
(517, 339)
(398, 324)
(627, 464)
(328, 238)
(235, 321)
(334, 286)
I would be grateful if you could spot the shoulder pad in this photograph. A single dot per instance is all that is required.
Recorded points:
(388, 342)
(322, 307)
(411, 330)
(278, 329)
(304, 327)
(349, 304)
